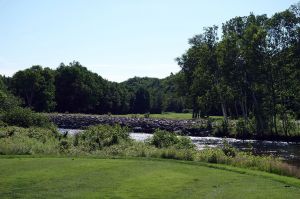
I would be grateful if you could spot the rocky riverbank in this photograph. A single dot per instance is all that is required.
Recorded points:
(147, 125)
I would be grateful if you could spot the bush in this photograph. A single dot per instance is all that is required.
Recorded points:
(8, 101)
(209, 124)
(228, 150)
(97, 137)
(22, 141)
(24, 117)
(222, 130)
(165, 139)
(287, 124)
(147, 115)
(242, 129)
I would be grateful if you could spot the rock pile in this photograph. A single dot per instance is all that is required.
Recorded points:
(147, 125)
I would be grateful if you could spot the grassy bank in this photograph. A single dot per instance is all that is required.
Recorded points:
(133, 178)
(168, 115)
(114, 141)
(165, 115)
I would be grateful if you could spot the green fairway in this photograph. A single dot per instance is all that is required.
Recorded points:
(134, 178)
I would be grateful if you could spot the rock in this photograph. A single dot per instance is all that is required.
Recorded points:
(147, 125)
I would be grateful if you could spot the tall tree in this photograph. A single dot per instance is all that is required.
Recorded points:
(36, 87)
(79, 90)
(141, 101)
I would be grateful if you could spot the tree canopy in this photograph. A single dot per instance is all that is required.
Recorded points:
(251, 72)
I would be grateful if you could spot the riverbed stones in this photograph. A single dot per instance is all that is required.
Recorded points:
(147, 125)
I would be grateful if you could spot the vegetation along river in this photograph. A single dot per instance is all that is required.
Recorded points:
(289, 151)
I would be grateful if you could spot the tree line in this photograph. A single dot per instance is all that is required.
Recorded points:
(73, 88)
(251, 71)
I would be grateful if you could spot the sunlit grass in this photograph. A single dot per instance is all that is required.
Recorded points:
(135, 178)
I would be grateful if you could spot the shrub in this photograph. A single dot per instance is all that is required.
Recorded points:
(165, 139)
(21, 141)
(8, 101)
(242, 129)
(2, 124)
(222, 130)
(147, 115)
(287, 124)
(209, 124)
(184, 142)
(24, 117)
(64, 145)
(97, 137)
(228, 150)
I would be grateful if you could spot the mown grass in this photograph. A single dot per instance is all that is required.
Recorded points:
(134, 178)
(113, 141)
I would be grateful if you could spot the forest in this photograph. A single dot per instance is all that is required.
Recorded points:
(247, 70)
(73, 88)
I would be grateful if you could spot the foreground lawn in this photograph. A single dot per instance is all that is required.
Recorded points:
(133, 178)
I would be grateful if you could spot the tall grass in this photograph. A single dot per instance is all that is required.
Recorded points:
(114, 141)
(28, 141)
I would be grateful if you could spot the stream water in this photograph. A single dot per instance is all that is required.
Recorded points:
(289, 151)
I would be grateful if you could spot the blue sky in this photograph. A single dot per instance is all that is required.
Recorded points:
(118, 39)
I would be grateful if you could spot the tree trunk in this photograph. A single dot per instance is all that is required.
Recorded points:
(223, 106)
(236, 109)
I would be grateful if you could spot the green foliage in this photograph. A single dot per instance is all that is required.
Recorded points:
(2, 85)
(286, 121)
(222, 130)
(21, 141)
(77, 89)
(36, 87)
(74, 89)
(228, 150)
(165, 139)
(147, 115)
(24, 117)
(141, 101)
(242, 129)
(108, 141)
(8, 101)
(97, 137)
(163, 93)
(253, 69)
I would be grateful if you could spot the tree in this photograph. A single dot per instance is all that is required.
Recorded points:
(36, 87)
(79, 90)
(141, 101)
(253, 70)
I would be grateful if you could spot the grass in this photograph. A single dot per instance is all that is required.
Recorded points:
(165, 115)
(169, 115)
(135, 178)
(113, 141)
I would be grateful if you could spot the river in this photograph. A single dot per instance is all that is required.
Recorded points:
(289, 151)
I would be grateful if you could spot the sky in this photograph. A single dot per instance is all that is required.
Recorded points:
(118, 39)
